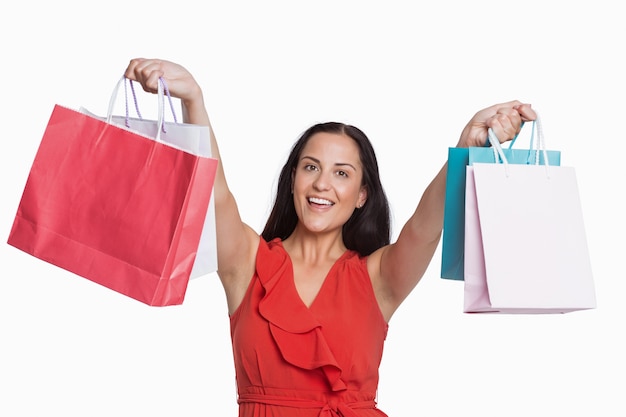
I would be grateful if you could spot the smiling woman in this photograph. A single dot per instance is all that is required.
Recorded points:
(334, 157)
(327, 184)
(323, 264)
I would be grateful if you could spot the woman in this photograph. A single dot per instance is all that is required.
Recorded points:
(310, 299)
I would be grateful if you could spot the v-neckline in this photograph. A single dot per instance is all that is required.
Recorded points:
(321, 288)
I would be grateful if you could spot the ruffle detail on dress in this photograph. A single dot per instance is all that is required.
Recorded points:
(297, 334)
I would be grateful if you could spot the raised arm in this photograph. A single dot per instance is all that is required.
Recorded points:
(236, 242)
(397, 268)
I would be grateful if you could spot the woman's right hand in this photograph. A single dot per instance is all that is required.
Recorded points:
(178, 80)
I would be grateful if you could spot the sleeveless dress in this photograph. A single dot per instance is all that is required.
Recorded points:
(298, 361)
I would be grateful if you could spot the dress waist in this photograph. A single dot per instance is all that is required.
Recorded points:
(331, 406)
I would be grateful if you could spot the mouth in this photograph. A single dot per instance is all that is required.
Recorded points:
(320, 202)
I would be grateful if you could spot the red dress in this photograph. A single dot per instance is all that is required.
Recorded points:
(298, 361)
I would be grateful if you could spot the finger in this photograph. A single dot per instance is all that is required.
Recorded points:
(510, 113)
(150, 71)
(495, 124)
(130, 72)
(505, 125)
(524, 109)
(147, 72)
(526, 112)
(151, 82)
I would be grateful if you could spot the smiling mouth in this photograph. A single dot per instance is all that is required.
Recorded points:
(320, 201)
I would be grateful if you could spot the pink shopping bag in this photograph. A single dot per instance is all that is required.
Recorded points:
(525, 242)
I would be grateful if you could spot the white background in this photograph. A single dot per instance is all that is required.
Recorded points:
(410, 74)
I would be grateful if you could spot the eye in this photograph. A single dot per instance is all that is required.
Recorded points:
(310, 167)
(342, 174)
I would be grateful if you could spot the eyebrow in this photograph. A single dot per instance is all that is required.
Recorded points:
(338, 164)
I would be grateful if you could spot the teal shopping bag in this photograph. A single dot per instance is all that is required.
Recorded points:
(452, 244)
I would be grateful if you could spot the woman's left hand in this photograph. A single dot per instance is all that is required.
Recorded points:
(505, 119)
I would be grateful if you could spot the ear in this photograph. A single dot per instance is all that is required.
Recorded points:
(362, 197)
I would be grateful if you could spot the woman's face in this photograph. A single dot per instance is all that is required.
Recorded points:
(327, 182)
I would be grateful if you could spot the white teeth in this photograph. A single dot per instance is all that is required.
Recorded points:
(320, 201)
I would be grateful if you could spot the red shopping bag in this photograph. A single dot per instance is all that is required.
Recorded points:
(114, 206)
(187, 137)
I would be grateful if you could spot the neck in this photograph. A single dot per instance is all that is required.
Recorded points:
(314, 247)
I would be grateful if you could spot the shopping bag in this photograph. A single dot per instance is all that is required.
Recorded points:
(452, 243)
(120, 208)
(188, 137)
(525, 242)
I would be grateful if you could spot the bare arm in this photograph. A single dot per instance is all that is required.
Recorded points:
(397, 268)
(236, 242)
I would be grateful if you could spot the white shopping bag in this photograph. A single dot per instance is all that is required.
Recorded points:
(525, 243)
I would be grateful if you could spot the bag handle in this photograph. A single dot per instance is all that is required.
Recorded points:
(162, 90)
(512, 142)
(132, 88)
(532, 135)
(540, 146)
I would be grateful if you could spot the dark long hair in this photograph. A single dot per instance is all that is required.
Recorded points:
(368, 228)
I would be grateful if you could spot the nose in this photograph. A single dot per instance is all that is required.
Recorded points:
(322, 181)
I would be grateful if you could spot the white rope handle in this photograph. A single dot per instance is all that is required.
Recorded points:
(540, 147)
(161, 89)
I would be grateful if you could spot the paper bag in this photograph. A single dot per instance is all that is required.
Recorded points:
(452, 244)
(188, 137)
(119, 208)
(525, 242)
